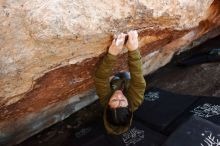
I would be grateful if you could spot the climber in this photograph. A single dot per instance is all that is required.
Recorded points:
(121, 96)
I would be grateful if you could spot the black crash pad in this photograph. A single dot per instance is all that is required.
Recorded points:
(89, 134)
(161, 107)
(137, 135)
(195, 132)
(98, 141)
(206, 107)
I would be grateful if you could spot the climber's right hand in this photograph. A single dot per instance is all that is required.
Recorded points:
(117, 44)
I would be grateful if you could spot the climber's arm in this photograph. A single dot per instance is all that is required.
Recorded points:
(137, 83)
(104, 70)
(102, 75)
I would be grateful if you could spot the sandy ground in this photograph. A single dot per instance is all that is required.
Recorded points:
(200, 79)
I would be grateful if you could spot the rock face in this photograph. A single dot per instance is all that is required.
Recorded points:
(50, 49)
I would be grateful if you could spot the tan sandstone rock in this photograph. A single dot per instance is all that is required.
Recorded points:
(49, 50)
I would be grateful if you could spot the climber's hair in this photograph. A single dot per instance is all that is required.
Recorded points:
(118, 116)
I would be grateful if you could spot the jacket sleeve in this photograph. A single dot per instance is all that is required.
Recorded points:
(137, 84)
(102, 75)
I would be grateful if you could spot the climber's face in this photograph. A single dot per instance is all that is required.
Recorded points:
(118, 100)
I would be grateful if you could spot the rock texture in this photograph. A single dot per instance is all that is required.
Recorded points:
(50, 49)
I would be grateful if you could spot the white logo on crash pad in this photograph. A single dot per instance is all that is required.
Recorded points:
(206, 110)
(83, 132)
(151, 96)
(210, 139)
(133, 136)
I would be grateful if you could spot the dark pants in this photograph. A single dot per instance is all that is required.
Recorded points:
(120, 76)
(124, 75)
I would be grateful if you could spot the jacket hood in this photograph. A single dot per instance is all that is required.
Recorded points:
(117, 130)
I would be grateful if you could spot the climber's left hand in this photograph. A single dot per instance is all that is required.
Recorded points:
(117, 44)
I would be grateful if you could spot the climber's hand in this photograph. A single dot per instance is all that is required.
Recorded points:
(132, 43)
(117, 44)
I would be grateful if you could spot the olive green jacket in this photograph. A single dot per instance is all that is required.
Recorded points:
(135, 87)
